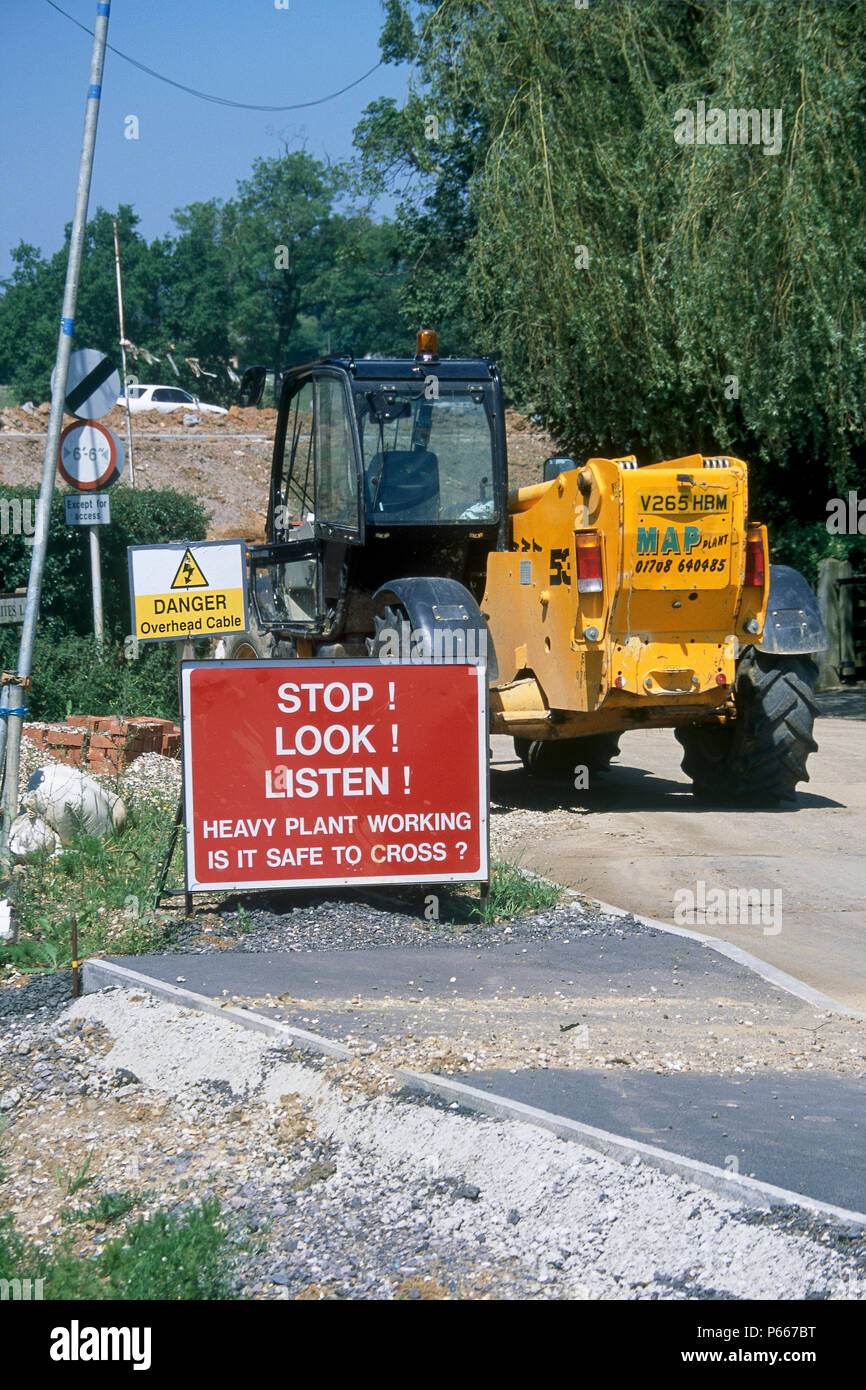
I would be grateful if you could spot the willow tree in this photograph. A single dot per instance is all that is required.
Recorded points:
(650, 292)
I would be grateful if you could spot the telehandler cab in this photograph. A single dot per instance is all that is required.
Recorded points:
(605, 597)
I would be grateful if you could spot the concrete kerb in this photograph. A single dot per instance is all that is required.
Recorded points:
(751, 1191)
(102, 974)
(771, 973)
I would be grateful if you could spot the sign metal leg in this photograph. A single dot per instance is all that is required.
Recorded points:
(167, 858)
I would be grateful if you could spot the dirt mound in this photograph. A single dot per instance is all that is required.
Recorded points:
(33, 419)
(223, 460)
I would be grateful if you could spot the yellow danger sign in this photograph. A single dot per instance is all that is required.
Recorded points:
(188, 576)
(187, 590)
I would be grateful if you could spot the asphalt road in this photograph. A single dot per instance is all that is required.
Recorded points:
(643, 838)
(682, 1048)
(803, 1132)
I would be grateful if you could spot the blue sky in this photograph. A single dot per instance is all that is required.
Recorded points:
(188, 150)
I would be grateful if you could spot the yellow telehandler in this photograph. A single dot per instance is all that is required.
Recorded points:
(606, 597)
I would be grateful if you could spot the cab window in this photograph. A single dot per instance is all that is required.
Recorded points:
(295, 495)
(337, 478)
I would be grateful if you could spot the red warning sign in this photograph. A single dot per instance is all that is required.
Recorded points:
(306, 773)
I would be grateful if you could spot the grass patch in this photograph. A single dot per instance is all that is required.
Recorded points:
(514, 894)
(75, 1181)
(167, 1256)
(108, 1207)
(107, 885)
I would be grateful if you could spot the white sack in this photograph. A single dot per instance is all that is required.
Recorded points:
(67, 798)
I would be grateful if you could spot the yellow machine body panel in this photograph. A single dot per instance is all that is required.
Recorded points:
(652, 633)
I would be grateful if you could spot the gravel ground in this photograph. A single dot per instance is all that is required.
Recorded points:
(324, 924)
(151, 780)
(336, 1185)
(340, 1190)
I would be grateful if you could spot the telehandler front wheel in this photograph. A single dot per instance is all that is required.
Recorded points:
(245, 646)
(556, 759)
(760, 757)
(388, 629)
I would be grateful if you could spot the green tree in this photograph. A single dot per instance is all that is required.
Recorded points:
(33, 294)
(282, 272)
(287, 269)
(647, 294)
(428, 154)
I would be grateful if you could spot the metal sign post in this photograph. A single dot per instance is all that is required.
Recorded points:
(96, 587)
(90, 457)
(15, 684)
(123, 355)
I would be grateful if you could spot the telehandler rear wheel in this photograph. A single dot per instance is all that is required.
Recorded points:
(760, 757)
(556, 759)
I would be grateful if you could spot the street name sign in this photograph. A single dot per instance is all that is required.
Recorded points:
(325, 773)
(195, 589)
(12, 608)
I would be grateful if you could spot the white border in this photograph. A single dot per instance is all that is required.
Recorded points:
(196, 885)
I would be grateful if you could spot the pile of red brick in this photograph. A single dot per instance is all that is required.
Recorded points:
(105, 743)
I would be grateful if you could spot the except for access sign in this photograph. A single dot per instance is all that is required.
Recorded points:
(322, 773)
(87, 509)
(187, 590)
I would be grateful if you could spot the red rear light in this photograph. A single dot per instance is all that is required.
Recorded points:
(588, 547)
(755, 571)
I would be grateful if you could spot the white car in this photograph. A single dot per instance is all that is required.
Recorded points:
(165, 399)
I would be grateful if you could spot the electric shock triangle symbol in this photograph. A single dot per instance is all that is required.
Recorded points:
(189, 576)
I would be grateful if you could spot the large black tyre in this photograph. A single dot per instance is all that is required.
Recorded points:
(247, 646)
(760, 757)
(556, 759)
(388, 634)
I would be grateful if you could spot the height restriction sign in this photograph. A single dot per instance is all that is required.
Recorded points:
(89, 456)
(322, 773)
(194, 589)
